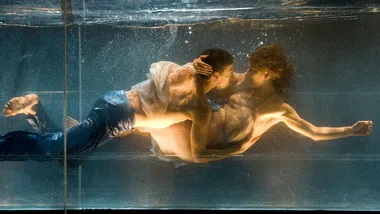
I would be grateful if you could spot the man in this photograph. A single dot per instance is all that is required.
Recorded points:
(252, 103)
(173, 94)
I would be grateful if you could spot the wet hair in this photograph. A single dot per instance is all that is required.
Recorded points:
(217, 58)
(273, 58)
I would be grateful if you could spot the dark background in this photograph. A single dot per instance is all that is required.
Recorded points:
(336, 84)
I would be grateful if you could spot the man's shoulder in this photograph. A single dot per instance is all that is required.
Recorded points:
(284, 108)
(170, 63)
(163, 65)
(184, 72)
(276, 105)
(172, 66)
(173, 72)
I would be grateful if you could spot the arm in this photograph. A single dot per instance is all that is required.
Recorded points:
(296, 123)
(201, 117)
(198, 139)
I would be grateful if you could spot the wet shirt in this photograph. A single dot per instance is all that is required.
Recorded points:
(154, 92)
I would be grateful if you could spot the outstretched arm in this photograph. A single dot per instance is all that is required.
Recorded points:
(296, 123)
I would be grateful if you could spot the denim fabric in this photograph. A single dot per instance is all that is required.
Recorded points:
(111, 114)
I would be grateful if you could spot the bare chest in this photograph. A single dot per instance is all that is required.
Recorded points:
(232, 123)
(182, 97)
(245, 117)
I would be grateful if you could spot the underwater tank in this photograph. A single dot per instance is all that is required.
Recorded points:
(70, 53)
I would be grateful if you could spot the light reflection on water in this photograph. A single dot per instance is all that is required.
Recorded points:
(147, 13)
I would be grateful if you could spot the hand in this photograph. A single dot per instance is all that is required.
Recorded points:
(201, 67)
(362, 128)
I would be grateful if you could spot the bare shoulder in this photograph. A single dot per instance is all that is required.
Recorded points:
(286, 108)
(179, 74)
(181, 87)
(274, 107)
(286, 111)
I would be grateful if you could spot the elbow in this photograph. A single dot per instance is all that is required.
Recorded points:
(316, 138)
(198, 159)
(313, 134)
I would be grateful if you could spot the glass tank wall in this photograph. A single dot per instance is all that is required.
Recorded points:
(110, 45)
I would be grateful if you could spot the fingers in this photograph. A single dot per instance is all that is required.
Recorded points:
(203, 56)
(205, 70)
(202, 71)
(202, 68)
(199, 64)
(364, 127)
(6, 111)
(369, 127)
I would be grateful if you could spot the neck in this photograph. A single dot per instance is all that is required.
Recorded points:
(227, 83)
(208, 87)
(267, 88)
(264, 89)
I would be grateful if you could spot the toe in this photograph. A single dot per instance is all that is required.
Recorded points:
(6, 113)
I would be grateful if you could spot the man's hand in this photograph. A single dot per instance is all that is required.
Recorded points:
(201, 67)
(362, 128)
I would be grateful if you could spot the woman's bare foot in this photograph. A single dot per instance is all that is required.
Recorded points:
(21, 105)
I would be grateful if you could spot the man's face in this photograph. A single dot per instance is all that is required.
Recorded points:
(219, 79)
(258, 76)
(224, 76)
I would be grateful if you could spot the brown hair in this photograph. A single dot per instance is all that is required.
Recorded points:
(217, 58)
(273, 58)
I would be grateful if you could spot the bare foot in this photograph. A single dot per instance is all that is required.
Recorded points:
(70, 122)
(20, 105)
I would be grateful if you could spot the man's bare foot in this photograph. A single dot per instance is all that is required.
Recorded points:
(70, 122)
(21, 105)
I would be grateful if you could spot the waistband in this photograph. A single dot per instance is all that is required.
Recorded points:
(120, 97)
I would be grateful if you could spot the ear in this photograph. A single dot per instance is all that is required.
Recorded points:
(215, 74)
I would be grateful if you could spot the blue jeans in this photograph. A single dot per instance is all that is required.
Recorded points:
(111, 114)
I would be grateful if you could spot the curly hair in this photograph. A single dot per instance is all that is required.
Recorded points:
(272, 57)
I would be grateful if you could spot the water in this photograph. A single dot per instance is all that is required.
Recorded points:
(334, 46)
